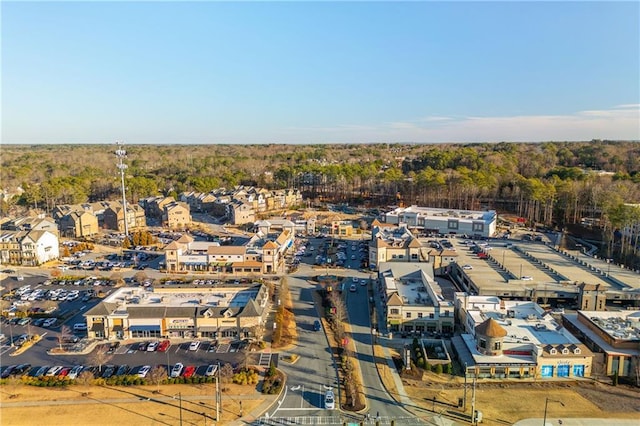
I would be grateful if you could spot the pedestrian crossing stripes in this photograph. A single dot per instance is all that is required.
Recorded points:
(337, 420)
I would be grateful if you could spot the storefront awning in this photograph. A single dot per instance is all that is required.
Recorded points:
(117, 328)
(144, 328)
(97, 326)
(209, 329)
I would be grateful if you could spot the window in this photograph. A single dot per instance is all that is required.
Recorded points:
(576, 351)
(553, 351)
(394, 311)
(446, 313)
(419, 314)
(452, 224)
(431, 316)
(408, 314)
(497, 346)
(482, 343)
(414, 256)
(478, 226)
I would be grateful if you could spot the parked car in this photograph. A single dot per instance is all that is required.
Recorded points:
(122, 370)
(316, 325)
(211, 370)
(177, 370)
(194, 345)
(24, 321)
(53, 371)
(49, 322)
(143, 346)
(7, 371)
(75, 372)
(189, 370)
(112, 347)
(108, 371)
(329, 400)
(467, 267)
(152, 346)
(353, 288)
(144, 371)
(64, 372)
(164, 346)
(80, 327)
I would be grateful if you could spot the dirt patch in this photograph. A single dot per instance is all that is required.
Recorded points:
(126, 405)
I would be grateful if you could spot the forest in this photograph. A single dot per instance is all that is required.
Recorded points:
(552, 183)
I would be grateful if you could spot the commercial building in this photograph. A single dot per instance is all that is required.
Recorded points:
(227, 313)
(391, 243)
(413, 301)
(429, 220)
(516, 339)
(614, 334)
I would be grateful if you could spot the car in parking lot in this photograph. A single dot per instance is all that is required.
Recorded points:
(526, 278)
(316, 325)
(353, 288)
(80, 327)
(329, 400)
(467, 267)
(7, 371)
(122, 370)
(53, 371)
(177, 370)
(75, 372)
(211, 370)
(109, 370)
(152, 346)
(24, 321)
(194, 345)
(41, 371)
(112, 347)
(49, 322)
(164, 346)
(144, 370)
(189, 370)
(143, 346)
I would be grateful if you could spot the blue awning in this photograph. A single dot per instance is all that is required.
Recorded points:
(144, 328)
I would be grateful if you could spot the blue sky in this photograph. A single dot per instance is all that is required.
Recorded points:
(319, 72)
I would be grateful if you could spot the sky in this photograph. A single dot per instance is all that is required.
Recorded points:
(319, 72)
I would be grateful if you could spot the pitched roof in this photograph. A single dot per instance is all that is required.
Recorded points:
(491, 328)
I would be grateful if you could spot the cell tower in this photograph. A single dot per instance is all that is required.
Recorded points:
(122, 154)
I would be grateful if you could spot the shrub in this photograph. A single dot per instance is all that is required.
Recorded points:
(421, 363)
(438, 369)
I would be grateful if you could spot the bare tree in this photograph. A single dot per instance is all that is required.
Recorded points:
(157, 375)
(140, 276)
(65, 332)
(226, 373)
(100, 357)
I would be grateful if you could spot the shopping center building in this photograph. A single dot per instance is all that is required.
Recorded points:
(516, 339)
(222, 312)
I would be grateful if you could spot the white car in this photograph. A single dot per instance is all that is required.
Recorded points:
(75, 371)
(54, 370)
(526, 278)
(153, 346)
(177, 370)
(194, 345)
(329, 400)
(353, 288)
(211, 370)
(144, 371)
(467, 267)
(49, 322)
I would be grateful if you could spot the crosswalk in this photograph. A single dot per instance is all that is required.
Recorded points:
(336, 420)
(265, 359)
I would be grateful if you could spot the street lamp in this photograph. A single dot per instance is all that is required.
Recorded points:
(180, 399)
(546, 402)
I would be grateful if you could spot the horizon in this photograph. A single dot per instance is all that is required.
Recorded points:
(319, 73)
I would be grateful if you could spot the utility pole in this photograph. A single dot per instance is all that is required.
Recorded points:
(473, 400)
(122, 154)
(464, 398)
(218, 399)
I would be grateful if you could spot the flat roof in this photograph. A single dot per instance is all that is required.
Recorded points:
(183, 297)
(526, 322)
(620, 325)
(436, 213)
(567, 267)
(594, 337)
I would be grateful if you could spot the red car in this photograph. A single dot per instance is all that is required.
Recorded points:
(164, 346)
(189, 370)
(64, 372)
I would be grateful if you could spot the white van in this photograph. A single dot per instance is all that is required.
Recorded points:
(80, 327)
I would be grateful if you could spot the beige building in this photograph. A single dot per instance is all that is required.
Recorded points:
(114, 217)
(176, 215)
(390, 243)
(28, 248)
(79, 224)
(224, 313)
